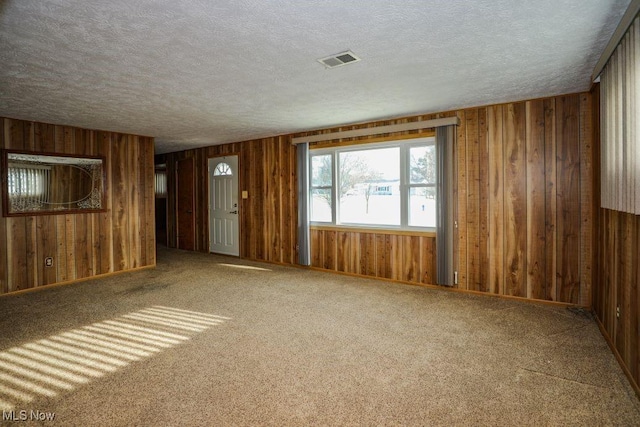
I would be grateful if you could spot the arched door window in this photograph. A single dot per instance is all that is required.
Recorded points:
(222, 169)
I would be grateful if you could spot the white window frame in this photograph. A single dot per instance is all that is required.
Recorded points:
(405, 181)
(331, 188)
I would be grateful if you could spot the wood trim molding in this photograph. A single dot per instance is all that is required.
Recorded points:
(372, 230)
(450, 289)
(425, 133)
(378, 130)
(615, 352)
(71, 282)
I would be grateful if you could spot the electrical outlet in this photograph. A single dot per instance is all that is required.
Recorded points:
(48, 261)
(618, 312)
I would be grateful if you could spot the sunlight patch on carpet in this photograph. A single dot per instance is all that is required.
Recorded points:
(244, 267)
(63, 362)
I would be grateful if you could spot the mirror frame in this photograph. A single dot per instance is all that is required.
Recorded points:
(5, 184)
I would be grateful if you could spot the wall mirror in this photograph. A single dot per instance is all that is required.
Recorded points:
(35, 183)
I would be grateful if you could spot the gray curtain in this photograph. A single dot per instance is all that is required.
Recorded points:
(445, 136)
(302, 154)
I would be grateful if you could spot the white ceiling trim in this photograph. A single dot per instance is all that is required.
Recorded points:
(378, 130)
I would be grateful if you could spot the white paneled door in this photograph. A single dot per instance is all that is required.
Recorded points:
(224, 230)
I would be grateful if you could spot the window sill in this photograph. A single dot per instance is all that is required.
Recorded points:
(375, 230)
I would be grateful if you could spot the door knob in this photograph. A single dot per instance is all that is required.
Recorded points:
(234, 212)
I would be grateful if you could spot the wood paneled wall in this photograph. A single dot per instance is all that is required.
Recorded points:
(616, 279)
(87, 244)
(404, 257)
(525, 212)
(524, 207)
(524, 204)
(618, 283)
(268, 217)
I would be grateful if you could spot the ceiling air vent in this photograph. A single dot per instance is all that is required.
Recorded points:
(339, 59)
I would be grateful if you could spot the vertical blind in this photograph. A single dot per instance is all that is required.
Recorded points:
(445, 138)
(304, 245)
(620, 117)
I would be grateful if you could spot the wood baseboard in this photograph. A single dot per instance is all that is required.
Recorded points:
(70, 282)
(450, 289)
(619, 358)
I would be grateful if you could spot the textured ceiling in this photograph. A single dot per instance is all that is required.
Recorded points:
(204, 72)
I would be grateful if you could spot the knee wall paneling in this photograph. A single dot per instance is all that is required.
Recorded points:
(82, 245)
(382, 254)
(616, 299)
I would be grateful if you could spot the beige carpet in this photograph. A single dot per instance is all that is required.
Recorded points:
(209, 340)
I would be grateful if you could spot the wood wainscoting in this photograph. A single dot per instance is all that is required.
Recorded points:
(84, 244)
(616, 299)
(402, 256)
(616, 282)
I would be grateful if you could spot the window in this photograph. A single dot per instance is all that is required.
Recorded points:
(222, 169)
(422, 186)
(321, 187)
(369, 186)
(382, 185)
